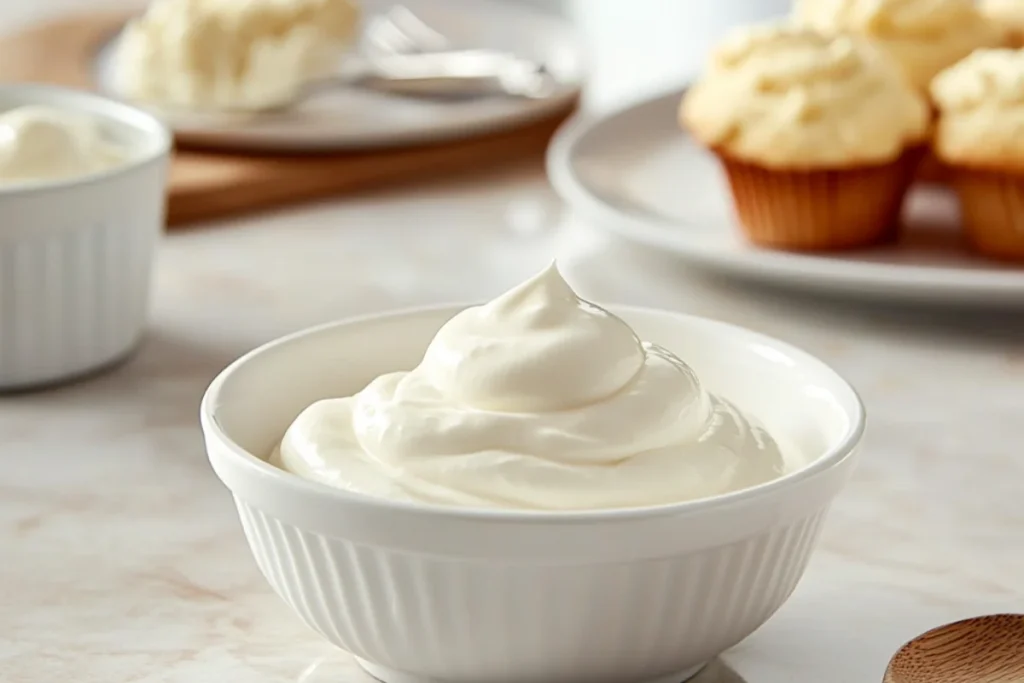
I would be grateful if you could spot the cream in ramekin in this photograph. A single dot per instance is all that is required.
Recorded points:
(78, 232)
(41, 143)
(424, 592)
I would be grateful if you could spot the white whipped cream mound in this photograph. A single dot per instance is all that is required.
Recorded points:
(231, 54)
(40, 143)
(537, 400)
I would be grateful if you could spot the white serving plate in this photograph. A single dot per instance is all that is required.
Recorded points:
(636, 174)
(355, 119)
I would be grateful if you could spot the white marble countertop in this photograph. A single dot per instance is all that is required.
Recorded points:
(123, 559)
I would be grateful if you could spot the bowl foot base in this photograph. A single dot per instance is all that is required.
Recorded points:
(386, 675)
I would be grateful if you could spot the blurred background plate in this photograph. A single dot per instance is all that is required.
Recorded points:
(636, 174)
(352, 119)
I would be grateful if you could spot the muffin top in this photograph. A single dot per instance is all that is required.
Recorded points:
(981, 110)
(923, 36)
(789, 97)
(1005, 13)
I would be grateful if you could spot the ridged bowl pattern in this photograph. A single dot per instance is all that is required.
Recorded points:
(454, 619)
(75, 267)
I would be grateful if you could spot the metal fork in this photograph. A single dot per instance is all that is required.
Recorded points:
(400, 31)
(411, 58)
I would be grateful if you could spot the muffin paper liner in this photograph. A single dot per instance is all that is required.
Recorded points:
(932, 170)
(828, 209)
(992, 209)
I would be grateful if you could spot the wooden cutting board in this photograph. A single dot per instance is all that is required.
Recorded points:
(206, 185)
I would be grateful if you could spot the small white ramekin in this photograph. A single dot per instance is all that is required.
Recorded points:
(76, 255)
(424, 594)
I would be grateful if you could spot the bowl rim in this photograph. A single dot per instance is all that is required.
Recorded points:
(158, 135)
(269, 474)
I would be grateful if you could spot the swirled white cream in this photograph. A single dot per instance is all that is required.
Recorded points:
(537, 400)
(39, 143)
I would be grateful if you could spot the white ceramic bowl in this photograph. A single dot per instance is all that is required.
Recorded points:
(429, 594)
(76, 255)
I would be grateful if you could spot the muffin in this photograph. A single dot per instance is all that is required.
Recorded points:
(1008, 16)
(980, 138)
(819, 136)
(922, 36)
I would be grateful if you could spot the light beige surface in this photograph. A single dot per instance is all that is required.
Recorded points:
(128, 547)
(923, 36)
(124, 558)
(981, 110)
(787, 97)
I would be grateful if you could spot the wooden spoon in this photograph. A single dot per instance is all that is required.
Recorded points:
(986, 649)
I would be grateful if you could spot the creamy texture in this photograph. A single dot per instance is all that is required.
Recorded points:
(922, 36)
(981, 110)
(231, 54)
(1008, 16)
(537, 400)
(1009, 11)
(783, 96)
(39, 143)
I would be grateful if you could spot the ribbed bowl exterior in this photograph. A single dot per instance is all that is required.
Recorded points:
(75, 268)
(458, 619)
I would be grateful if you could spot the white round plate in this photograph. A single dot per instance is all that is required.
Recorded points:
(635, 173)
(358, 119)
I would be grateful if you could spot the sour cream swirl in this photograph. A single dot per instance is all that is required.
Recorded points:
(537, 400)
